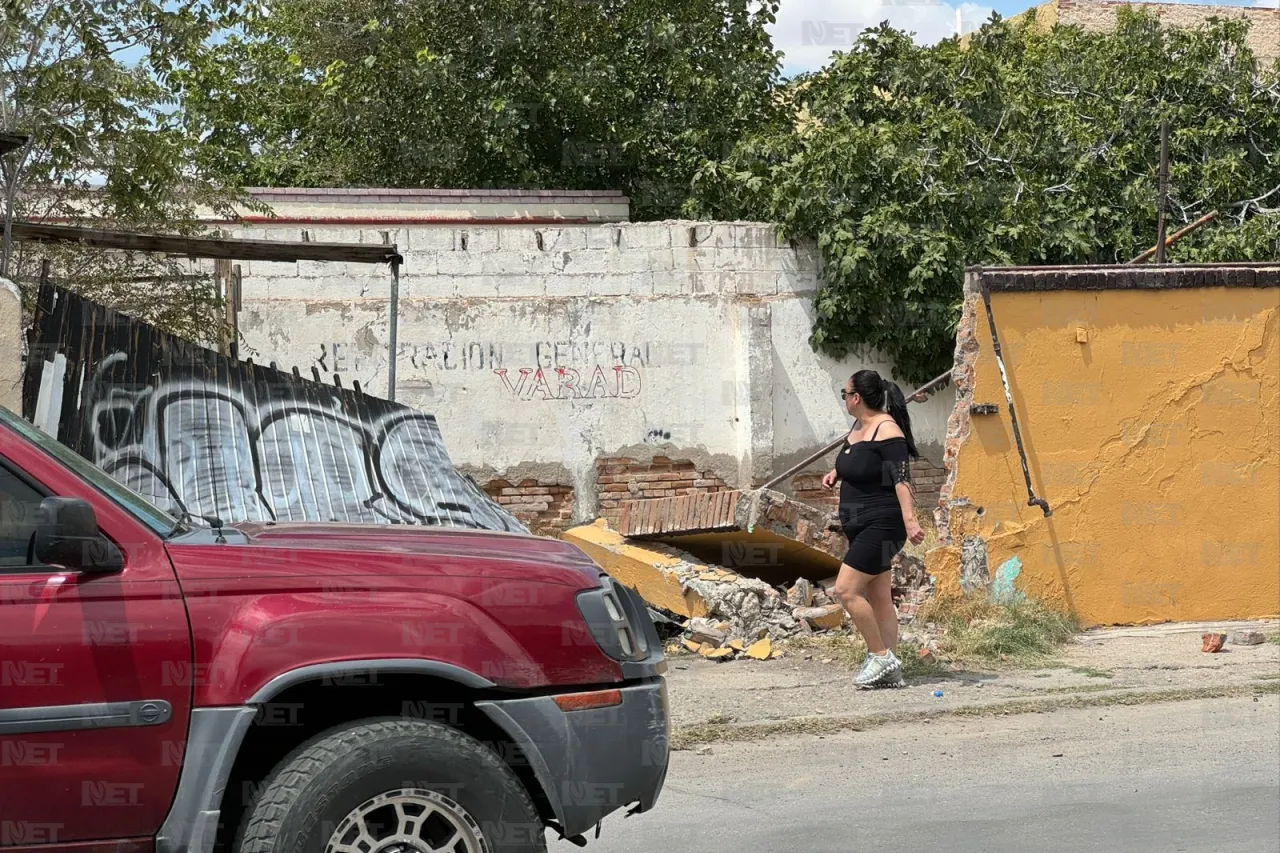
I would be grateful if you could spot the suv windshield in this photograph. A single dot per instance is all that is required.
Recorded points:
(135, 504)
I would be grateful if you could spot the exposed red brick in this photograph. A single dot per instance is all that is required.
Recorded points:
(627, 479)
(545, 508)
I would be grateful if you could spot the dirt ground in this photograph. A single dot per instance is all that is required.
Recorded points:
(1104, 664)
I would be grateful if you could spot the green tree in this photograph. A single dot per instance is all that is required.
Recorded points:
(90, 82)
(576, 94)
(909, 163)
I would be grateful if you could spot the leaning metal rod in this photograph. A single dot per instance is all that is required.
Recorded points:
(800, 466)
(1032, 500)
(1176, 236)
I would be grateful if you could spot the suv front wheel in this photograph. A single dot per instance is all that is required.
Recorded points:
(392, 786)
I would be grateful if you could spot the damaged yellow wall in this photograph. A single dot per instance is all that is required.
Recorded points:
(653, 574)
(1151, 420)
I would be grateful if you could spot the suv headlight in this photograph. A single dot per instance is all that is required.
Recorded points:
(618, 620)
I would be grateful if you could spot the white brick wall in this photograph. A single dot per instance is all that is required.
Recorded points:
(666, 324)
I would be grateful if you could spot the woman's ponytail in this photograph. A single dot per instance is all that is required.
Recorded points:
(885, 396)
(895, 403)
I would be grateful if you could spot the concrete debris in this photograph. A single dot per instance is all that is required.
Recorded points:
(657, 573)
(1212, 643)
(912, 585)
(719, 613)
(801, 595)
(1247, 638)
(828, 617)
(703, 630)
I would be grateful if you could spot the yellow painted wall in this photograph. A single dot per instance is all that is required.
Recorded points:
(1156, 443)
(651, 573)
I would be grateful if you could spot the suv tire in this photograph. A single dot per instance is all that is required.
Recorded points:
(431, 779)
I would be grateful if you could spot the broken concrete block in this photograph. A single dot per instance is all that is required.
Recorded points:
(824, 618)
(801, 595)
(761, 650)
(1247, 638)
(737, 645)
(1213, 642)
(718, 654)
(705, 631)
(927, 656)
(692, 645)
(655, 575)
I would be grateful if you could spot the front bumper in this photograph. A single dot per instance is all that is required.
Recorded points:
(591, 763)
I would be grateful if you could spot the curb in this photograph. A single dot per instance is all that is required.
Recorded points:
(688, 736)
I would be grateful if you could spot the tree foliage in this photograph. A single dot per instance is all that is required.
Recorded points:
(91, 83)
(910, 163)
(570, 94)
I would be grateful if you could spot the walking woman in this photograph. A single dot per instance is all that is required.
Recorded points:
(877, 512)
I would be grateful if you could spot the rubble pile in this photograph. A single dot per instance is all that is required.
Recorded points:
(912, 586)
(745, 616)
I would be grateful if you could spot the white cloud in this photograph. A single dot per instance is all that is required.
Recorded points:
(809, 31)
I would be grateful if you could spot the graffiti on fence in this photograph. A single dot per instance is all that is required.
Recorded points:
(195, 431)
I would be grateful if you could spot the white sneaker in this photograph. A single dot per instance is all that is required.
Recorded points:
(876, 668)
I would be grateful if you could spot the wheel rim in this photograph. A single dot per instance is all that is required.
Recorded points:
(409, 820)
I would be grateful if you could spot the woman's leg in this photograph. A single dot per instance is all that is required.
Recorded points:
(853, 589)
(880, 594)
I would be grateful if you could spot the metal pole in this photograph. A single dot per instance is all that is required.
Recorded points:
(395, 329)
(222, 283)
(233, 310)
(800, 466)
(1164, 190)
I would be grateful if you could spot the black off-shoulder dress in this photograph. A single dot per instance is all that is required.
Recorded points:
(869, 473)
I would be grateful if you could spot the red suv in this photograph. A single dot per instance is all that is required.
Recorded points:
(310, 688)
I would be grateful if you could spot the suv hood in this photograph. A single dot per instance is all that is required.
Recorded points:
(395, 550)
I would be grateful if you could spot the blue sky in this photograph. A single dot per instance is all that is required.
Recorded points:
(807, 31)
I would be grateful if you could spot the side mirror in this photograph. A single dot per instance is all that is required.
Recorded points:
(67, 535)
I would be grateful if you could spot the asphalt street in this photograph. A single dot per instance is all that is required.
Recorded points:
(1197, 776)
